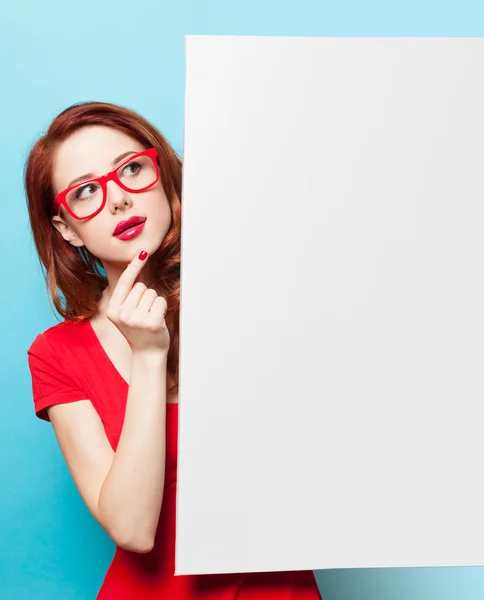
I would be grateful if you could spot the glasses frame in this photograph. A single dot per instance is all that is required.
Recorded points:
(60, 198)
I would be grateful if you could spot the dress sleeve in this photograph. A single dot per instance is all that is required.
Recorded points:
(51, 383)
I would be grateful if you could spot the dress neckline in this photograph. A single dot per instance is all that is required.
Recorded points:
(104, 356)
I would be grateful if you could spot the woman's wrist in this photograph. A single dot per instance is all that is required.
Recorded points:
(151, 355)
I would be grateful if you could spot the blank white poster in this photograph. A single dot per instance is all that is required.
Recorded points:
(332, 304)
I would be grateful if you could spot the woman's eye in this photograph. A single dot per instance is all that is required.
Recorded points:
(84, 191)
(132, 168)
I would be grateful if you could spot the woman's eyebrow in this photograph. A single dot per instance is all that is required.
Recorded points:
(91, 175)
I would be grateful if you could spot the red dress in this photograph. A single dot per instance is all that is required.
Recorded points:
(68, 363)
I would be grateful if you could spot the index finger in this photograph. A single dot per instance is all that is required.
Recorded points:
(128, 278)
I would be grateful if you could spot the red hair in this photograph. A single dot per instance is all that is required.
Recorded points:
(76, 272)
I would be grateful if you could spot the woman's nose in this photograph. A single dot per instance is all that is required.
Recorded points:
(116, 196)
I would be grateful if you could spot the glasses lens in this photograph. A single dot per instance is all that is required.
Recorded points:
(85, 199)
(138, 173)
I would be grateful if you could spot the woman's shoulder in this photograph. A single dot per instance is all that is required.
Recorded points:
(64, 333)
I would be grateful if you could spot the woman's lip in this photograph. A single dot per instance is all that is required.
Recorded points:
(132, 232)
(128, 223)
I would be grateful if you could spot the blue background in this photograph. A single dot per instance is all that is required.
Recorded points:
(54, 54)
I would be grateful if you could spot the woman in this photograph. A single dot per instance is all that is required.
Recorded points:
(104, 191)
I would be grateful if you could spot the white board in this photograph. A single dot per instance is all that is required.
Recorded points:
(332, 320)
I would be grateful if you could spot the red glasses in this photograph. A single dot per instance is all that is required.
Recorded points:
(136, 174)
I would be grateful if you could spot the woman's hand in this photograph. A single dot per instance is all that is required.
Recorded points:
(138, 312)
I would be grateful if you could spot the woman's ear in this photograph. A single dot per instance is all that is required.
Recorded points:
(66, 232)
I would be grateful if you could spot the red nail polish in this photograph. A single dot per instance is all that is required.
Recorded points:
(142, 255)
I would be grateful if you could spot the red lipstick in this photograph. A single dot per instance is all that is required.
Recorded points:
(125, 230)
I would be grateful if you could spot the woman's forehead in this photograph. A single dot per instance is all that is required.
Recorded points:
(88, 150)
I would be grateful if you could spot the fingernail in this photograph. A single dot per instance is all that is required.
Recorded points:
(142, 255)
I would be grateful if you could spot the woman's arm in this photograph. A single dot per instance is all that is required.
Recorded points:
(122, 490)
